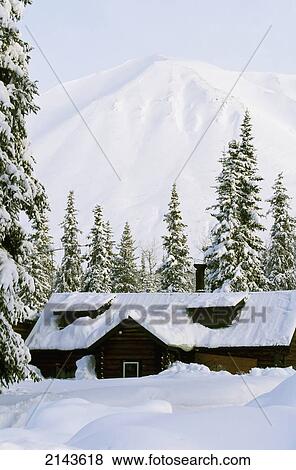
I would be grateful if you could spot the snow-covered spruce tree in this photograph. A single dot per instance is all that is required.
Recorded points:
(56, 279)
(109, 256)
(42, 267)
(148, 281)
(280, 257)
(98, 271)
(20, 192)
(143, 273)
(250, 274)
(125, 272)
(235, 256)
(70, 272)
(176, 272)
(221, 256)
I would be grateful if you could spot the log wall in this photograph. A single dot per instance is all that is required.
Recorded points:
(128, 342)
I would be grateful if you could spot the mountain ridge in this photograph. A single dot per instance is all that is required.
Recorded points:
(148, 114)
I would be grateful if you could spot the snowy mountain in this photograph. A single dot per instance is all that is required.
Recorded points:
(148, 114)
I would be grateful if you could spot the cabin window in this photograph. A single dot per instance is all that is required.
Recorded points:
(130, 369)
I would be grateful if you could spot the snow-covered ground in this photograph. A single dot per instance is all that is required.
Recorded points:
(186, 407)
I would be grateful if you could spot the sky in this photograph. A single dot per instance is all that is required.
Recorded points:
(81, 37)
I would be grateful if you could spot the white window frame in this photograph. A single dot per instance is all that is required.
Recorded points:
(130, 362)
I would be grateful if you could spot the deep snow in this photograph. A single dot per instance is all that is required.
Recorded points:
(185, 407)
(267, 318)
(148, 114)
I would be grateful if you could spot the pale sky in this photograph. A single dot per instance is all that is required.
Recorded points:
(80, 37)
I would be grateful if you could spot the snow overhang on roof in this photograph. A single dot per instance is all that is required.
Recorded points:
(77, 301)
(89, 301)
(267, 319)
(216, 299)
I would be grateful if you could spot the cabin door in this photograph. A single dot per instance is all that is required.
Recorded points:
(131, 369)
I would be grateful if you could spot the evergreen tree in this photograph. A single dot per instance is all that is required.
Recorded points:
(143, 274)
(109, 256)
(56, 279)
(70, 272)
(98, 272)
(221, 257)
(20, 192)
(280, 259)
(148, 281)
(251, 268)
(125, 272)
(176, 272)
(235, 256)
(41, 264)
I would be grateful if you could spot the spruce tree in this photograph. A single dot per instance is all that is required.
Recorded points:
(125, 274)
(221, 256)
(148, 281)
(251, 271)
(109, 282)
(280, 259)
(98, 271)
(70, 271)
(176, 272)
(143, 274)
(235, 256)
(41, 264)
(20, 191)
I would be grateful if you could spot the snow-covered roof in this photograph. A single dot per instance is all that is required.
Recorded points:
(88, 301)
(267, 319)
(78, 301)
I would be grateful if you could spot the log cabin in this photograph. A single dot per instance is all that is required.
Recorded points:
(24, 328)
(132, 335)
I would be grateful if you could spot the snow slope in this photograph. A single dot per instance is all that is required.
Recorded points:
(186, 407)
(148, 114)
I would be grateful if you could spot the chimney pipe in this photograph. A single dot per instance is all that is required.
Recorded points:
(200, 276)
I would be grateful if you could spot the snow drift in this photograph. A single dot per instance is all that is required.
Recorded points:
(188, 407)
